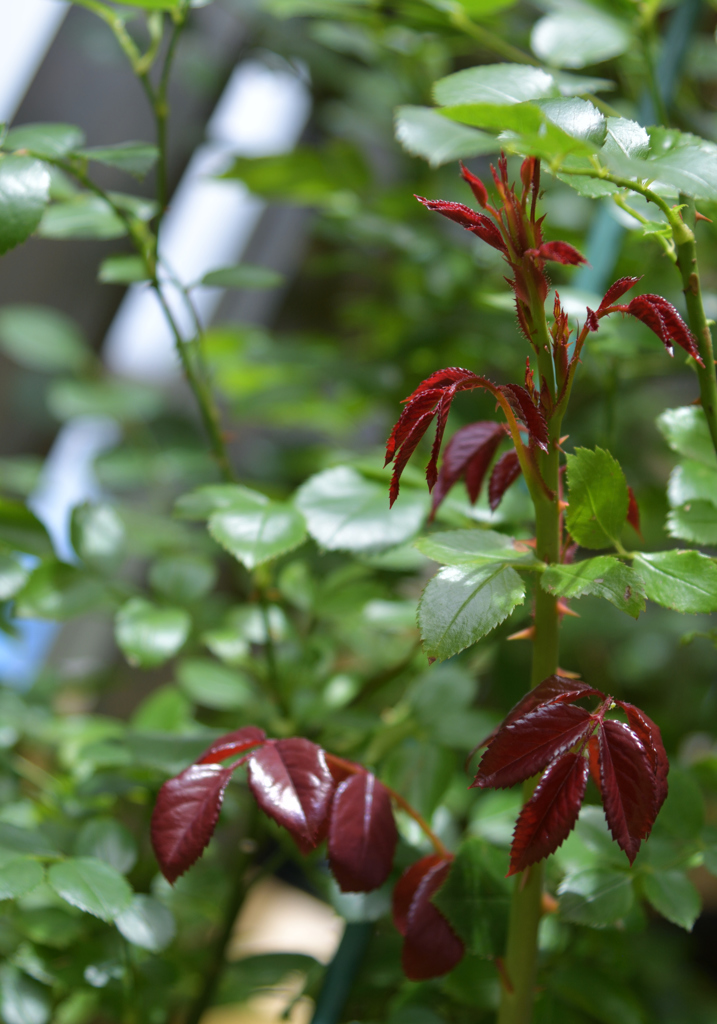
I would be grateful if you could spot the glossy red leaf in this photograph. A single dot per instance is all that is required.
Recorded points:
(468, 454)
(649, 735)
(478, 223)
(628, 784)
(617, 290)
(553, 690)
(547, 819)
(594, 758)
(661, 317)
(232, 744)
(476, 185)
(561, 252)
(528, 412)
(185, 816)
(526, 746)
(505, 472)
(591, 319)
(293, 785)
(633, 511)
(430, 947)
(362, 834)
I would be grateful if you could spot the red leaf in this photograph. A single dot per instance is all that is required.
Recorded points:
(468, 454)
(550, 815)
(505, 472)
(233, 743)
(661, 317)
(526, 746)
(629, 788)
(362, 834)
(591, 320)
(561, 252)
(633, 512)
(430, 947)
(477, 187)
(615, 291)
(478, 223)
(649, 735)
(185, 816)
(594, 756)
(553, 690)
(293, 785)
(526, 411)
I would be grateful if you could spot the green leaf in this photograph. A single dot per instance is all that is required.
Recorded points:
(503, 84)
(201, 503)
(598, 498)
(24, 840)
(121, 399)
(109, 841)
(624, 140)
(23, 1000)
(674, 896)
(51, 140)
(147, 923)
(603, 577)
(692, 481)
(424, 132)
(459, 606)
(686, 162)
(13, 576)
(476, 547)
(578, 118)
(24, 193)
(683, 813)
(346, 512)
(165, 710)
(156, 5)
(184, 578)
(83, 216)
(683, 580)
(597, 996)
(576, 36)
(122, 270)
(147, 634)
(98, 535)
(212, 685)
(596, 897)
(476, 897)
(686, 431)
(306, 175)
(18, 876)
(245, 275)
(696, 522)
(21, 530)
(59, 591)
(256, 535)
(92, 885)
(136, 158)
(40, 338)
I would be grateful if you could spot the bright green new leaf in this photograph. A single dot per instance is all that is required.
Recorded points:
(598, 498)
(109, 841)
(459, 606)
(346, 512)
(92, 885)
(21, 530)
(595, 896)
(603, 577)
(24, 194)
(147, 923)
(41, 338)
(502, 84)
(83, 216)
(123, 400)
(485, 8)
(18, 876)
(13, 576)
(122, 270)
(136, 158)
(98, 535)
(696, 522)
(147, 634)
(212, 685)
(476, 547)
(686, 431)
(245, 275)
(254, 536)
(58, 591)
(424, 132)
(692, 481)
(674, 896)
(577, 36)
(683, 580)
(50, 140)
(475, 897)
(183, 577)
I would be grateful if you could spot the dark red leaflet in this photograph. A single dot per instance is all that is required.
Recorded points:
(594, 757)
(405, 888)
(649, 735)
(591, 320)
(633, 511)
(489, 233)
(527, 412)
(526, 746)
(676, 327)
(628, 786)
(362, 834)
(430, 947)
(291, 783)
(553, 690)
(233, 743)
(561, 252)
(505, 472)
(407, 449)
(617, 290)
(468, 454)
(476, 185)
(417, 407)
(457, 212)
(185, 816)
(550, 815)
(444, 379)
(442, 411)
